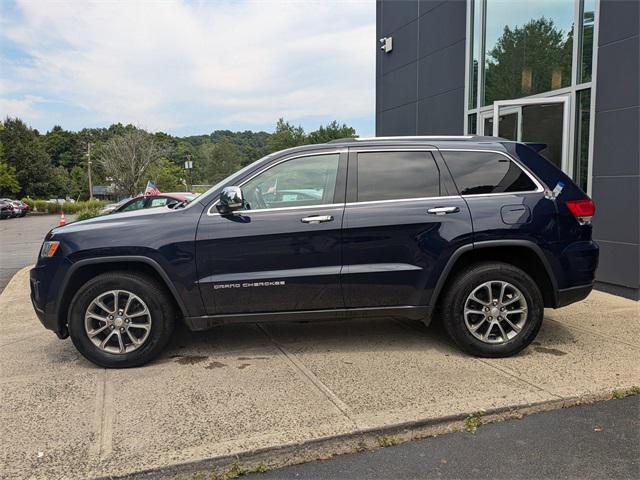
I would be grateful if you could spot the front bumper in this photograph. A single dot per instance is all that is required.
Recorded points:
(45, 280)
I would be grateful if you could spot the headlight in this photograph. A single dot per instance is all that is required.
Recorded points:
(49, 249)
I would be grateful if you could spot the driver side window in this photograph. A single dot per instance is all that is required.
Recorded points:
(294, 183)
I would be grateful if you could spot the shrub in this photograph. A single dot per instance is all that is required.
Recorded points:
(86, 213)
(43, 206)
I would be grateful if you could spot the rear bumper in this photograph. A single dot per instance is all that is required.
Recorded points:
(567, 296)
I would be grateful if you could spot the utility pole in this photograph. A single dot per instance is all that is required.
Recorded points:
(188, 166)
(89, 170)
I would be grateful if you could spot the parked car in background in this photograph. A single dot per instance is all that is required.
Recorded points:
(20, 208)
(140, 202)
(6, 209)
(112, 207)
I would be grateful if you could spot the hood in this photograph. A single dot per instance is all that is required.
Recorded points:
(117, 220)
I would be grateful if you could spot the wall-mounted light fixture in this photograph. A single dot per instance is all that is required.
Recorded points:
(386, 44)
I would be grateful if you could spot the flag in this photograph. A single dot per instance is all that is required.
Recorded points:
(151, 189)
(273, 188)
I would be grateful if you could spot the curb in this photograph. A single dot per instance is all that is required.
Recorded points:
(323, 448)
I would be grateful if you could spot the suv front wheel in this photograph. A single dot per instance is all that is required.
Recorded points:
(121, 319)
(492, 309)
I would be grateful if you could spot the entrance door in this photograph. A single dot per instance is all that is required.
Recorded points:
(534, 120)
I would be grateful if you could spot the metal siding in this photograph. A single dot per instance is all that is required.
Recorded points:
(429, 100)
(616, 161)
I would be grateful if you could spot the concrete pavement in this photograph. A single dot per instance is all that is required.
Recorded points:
(284, 393)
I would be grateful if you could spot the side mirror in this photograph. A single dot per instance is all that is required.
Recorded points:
(230, 199)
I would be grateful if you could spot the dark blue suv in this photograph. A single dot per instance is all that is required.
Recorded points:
(477, 232)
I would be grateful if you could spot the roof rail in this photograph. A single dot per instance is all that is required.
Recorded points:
(400, 137)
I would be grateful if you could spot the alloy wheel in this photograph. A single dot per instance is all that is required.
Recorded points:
(117, 321)
(495, 312)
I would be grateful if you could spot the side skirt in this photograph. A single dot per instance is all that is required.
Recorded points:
(408, 312)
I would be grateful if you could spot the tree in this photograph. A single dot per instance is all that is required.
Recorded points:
(24, 151)
(127, 157)
(333, 131)
(286, 136)
(526, 60)
(216, 161)
(9, 185)
(167, 175)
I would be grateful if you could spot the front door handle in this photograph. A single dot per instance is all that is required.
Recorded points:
(317, 219)
(443, 210)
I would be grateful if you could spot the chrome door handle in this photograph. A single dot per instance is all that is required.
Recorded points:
(317, 219)
(443, 210)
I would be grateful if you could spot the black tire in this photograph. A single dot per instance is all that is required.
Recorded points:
(158, 303)
(464, 283)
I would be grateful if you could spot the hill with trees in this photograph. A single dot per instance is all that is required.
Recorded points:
(55, 164)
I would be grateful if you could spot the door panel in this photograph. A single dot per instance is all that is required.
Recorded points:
(282, 251)
(393, 252)
(270, 260)
(394, 249)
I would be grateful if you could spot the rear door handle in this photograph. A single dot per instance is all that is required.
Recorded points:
(443, 210)
(317, 219)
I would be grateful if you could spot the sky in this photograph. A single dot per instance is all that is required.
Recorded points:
(188, 67)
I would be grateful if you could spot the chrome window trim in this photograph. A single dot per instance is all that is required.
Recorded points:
(268, 167)
(402, 200)
(532, 177)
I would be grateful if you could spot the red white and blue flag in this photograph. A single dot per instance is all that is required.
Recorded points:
(151, 189)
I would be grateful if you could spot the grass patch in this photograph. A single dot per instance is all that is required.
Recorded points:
(387, 440)
(473, 421)
(629, 392)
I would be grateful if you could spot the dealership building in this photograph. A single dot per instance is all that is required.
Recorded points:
(559, 72)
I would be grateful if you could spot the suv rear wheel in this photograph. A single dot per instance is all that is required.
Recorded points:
(492, 310)
(121, 319)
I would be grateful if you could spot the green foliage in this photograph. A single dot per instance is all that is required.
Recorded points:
(43, 206)
(538, 50)
(86, 213)
(333, 131)
(286, 136)
(55, 165)
(385, 441)
(216, 161)
(128, 157)
(473, 421)
(24, 151)
(167, 175)
(8, 180)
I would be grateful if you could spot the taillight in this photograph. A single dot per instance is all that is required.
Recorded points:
(583, 210)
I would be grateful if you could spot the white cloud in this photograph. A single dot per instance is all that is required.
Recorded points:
(172, 65)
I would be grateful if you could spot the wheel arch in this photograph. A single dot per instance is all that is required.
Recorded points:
(523, 254)
(83, 270)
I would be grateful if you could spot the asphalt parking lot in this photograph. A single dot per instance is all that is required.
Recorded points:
(20, 241)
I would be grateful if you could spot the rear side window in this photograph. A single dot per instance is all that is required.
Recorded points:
(486, 172)
(397, 175)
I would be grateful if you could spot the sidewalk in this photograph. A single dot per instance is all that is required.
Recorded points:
(284, 392)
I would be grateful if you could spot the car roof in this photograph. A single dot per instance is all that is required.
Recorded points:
(439, 141)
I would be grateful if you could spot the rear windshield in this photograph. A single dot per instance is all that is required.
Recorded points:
(477, 173)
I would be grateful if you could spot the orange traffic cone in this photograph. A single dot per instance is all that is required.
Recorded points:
(62, 220)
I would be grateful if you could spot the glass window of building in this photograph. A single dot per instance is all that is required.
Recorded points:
(588, 14)
(528, 48)
(581, 155)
